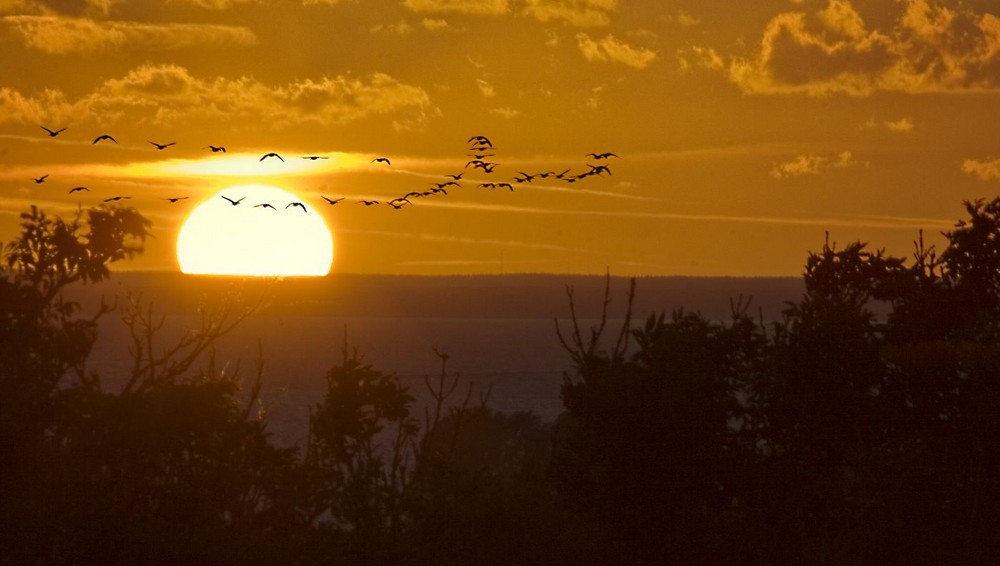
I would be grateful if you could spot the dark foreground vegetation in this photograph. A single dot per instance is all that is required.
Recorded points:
(833, 436)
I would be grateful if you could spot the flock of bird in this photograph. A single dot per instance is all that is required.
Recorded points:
(480, 150)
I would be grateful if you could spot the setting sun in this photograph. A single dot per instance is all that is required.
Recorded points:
(269, 231)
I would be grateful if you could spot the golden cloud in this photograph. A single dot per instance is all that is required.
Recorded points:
(809, 164)
(61, 35)
(481, 7)
(169, 94)
(581, 13)
(929, 48)
(988, 170)
(612, 49)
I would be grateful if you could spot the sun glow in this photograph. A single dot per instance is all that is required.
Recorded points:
(252, 239)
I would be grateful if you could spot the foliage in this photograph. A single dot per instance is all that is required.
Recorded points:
(858, 428)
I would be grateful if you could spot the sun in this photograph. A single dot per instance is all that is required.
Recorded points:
(250, 238)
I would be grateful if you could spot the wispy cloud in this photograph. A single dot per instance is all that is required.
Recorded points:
(215, 4)
(885, 222)
(930, 47)
(811, 164)
(988, 170)
(613, 50)
(61, 35)
(581, 13)
(480, 7)
(168, 94)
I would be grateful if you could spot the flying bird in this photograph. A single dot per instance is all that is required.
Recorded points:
(481, 140)
(368, 202)
(175, 199)
(272, 154)
(75, 189)
(41, 179)
(298, 204)
(162, 146)
(103, 137)
(448, 184)
(598, 169)
(456, 177)
(332, 200)
(110, 199)
(216, 148)
(264, 205)
(233, 202)
(381, 160)
(314, 157)
(53, 133)
(604, 155)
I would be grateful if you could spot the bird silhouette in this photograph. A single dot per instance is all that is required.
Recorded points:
(110, 199)
(604, 155)
(233, 202)
(448, 184)
(53, 133)
(332, 200)
(314, 157)
(298, 204)
(598, 169)
(103, 137)
(396, 205)
(481, 140)
(162, 146)
(41, 179)
(75, 189)
(368, 202)
(505, 185)
(272, 154)
(216, 148)
(455, 177)
(264, 205)
(175, 199)
(381, 160)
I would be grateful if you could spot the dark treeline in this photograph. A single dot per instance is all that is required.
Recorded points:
(831, 436)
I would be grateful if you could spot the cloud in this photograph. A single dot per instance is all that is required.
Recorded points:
(505, 112)
(580, 13)
(613, 50)
(61, 35)
(928, 48)
(985, 170)
(809, 164)
(170, 94)
(214, 4)
(485, 88)
(902, 126)
(400, 28)
(683, 19)
(702, 57)
(478, 7)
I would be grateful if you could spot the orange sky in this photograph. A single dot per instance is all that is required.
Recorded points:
(745, 130)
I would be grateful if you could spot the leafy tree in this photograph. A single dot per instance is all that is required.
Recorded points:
(43, 337)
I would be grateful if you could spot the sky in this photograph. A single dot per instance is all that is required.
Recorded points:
(744, 132)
